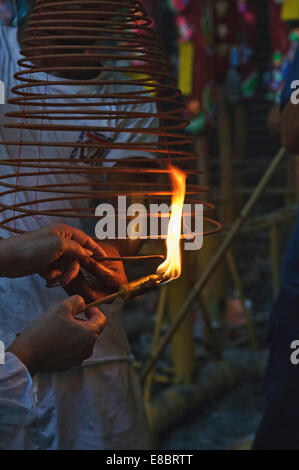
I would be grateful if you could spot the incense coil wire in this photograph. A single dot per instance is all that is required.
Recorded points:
(113, 44)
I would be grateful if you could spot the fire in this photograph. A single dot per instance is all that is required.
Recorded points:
(172, 266)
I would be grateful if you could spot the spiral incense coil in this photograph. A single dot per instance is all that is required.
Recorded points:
(95, 86)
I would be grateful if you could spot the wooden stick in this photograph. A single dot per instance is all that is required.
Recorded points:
(209, 332)
(225, 158)
(238, 284)
(104, 300)
(266, 221)
(155, 341)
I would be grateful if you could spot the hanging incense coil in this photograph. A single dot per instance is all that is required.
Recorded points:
(95, 86)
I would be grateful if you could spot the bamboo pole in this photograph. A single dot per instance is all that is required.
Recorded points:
(173, 403)
(212, 299)
(215, 260)
(238, 284)
(241, 131)
(226, 158)
(208, 331)
(215, 290)
(240, 143)
(155, 341)
(182, 342)
(266, 221)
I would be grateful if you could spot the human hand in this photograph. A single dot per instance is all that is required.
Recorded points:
(55, 251)
(97, 280)
(57, 340)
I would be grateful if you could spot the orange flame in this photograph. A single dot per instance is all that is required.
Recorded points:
(171, 268)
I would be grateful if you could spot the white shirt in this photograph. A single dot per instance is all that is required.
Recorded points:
(16, 401)
(107, 382)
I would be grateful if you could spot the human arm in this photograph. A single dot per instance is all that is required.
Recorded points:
(55, 341)
(55, 251)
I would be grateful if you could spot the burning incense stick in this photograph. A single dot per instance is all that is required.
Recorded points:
(131, 289)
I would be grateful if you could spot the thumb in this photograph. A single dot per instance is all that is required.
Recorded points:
(74, 305)
(96, 318)
(74, 249)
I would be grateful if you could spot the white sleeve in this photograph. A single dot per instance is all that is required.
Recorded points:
(16, 401)
(147, 122)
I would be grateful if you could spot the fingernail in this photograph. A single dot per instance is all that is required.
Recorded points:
(88, 252)
(54, 275)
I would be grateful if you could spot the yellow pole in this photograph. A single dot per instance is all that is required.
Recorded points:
(239, 287)
(183, 345)
(156, 336)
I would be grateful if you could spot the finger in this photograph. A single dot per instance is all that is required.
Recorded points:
(93, 313)
(53, 275)
(108, 276)
(72, 270)
(96, 319)
(87, 242)
(54, 271)
(73, 249)
(80, 285)
(74, 305)
(99, 287)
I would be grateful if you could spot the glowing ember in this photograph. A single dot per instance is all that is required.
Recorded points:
(171, 267)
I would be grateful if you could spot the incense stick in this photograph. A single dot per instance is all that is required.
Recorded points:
(128, 258)
(131, 289)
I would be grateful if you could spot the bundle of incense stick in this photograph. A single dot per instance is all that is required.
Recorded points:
(131, 289)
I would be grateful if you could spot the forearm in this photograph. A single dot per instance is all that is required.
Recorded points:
(24, 353)
(7, 258)
(15, 255)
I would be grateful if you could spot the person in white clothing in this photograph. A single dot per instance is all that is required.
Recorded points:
(98, 405)
(56, 340)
